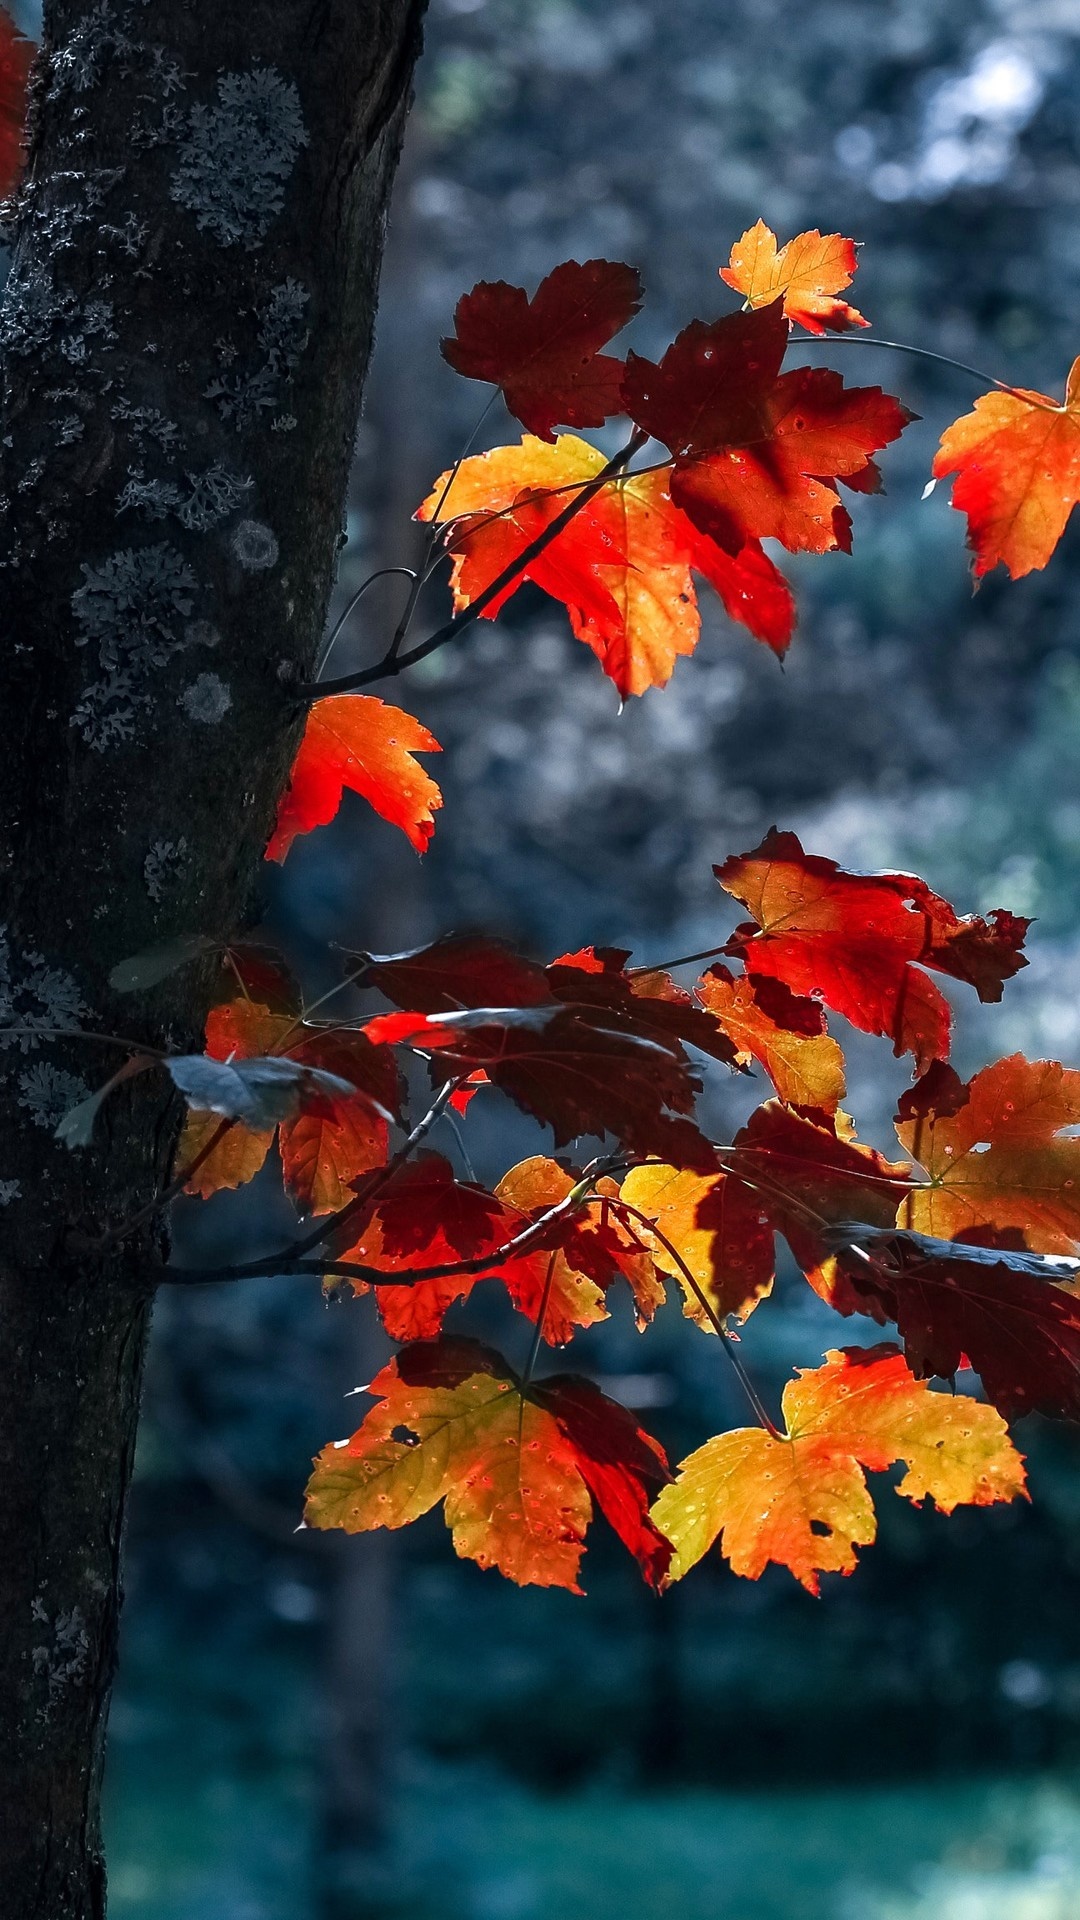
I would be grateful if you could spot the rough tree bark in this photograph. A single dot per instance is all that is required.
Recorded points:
(182, 347)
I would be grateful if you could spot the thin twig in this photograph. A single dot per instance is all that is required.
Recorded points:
(331, 1223)
(392, 664)
(424, 571)
(162, 1198)
(380, 573)
(80, 1033)
(684, 960)
(450, 1120)
(925, 353)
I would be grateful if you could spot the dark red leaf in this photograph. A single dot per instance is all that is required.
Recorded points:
(544, 353)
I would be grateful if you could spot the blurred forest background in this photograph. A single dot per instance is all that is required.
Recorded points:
(318, 1729)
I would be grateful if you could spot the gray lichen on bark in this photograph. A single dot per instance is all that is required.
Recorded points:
(152, 341)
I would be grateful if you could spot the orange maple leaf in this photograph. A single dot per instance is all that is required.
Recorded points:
(800, 1498)
(997, 1154)
(718, 1228)
(356, 741)
(808, 273)
(592, 1249)
(514, 1464)
(227, 1153)
(622, 567)
(782, 1030)
(1017, 458)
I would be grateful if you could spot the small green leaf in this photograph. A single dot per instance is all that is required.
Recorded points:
(146, 969)
(77, 1125)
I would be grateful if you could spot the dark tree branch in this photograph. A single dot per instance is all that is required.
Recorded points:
(286, 1262)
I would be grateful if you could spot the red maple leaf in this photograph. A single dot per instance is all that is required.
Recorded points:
(755, 450)
(1020, 1333)
(806, 1172)
(860, 942)
(585, 1050)
(621, 1464)
(647, 1002)
(587, 1071)
(425, 1218)
(544, 353)
(460, 970)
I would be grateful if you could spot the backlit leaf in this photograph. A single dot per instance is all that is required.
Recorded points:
(513, 1465)
(860, 942)
(719, 1229)
(1017, 462)
(588, 1053)
(808, 273)
(574, 1300)
(426, 1218)
(800, 1498)
(996, 1156)
(236, 1153)
(622, 567)
(756, 451)
(784, 1031)
(357, 742)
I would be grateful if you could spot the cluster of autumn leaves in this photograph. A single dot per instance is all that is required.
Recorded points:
(968, 1246)
(736, 452)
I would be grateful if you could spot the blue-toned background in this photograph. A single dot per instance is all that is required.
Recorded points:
(315, 1729)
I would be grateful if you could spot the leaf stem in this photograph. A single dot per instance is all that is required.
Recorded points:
(761, 1415)
(538, 1329)
(161, 1199)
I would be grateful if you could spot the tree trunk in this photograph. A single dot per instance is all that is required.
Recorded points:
(182, 347)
